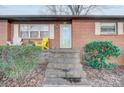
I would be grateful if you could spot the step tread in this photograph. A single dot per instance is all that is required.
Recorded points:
(64, 59)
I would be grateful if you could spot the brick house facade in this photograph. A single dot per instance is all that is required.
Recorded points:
(65, 31)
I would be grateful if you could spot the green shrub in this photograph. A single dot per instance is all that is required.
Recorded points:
(17, 61)
(98, 52)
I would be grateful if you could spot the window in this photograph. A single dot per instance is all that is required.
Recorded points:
(108, 28)
(44, 34)
(24, 31)
(24, 34)
(34, 31)
(34, 34)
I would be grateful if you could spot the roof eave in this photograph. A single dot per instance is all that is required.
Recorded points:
(59, 17)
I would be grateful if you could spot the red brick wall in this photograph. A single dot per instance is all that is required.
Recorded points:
(57, 36)
(3, 31)
(84, 32)
(9, 32)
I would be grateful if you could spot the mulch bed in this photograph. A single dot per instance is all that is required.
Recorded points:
(105, 78)
(96, 78)
(34, 79)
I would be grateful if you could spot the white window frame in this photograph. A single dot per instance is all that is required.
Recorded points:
(42, 28)
(108, 24)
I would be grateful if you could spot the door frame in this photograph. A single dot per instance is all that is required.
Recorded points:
(69, 25)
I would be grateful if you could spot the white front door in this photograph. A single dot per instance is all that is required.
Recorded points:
(65, 36)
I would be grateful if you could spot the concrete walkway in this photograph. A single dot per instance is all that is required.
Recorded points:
(64, 69)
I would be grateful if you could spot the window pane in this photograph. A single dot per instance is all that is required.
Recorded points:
(24, 34)
(34, 34)
(44, 27)
(24, 27)
(44, 34)
(35, 27)
(108, 28)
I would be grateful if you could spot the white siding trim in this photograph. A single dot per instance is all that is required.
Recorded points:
(120, 28)
(16, 30)
(97, 28)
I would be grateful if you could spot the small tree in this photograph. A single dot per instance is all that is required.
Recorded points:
(96, 53)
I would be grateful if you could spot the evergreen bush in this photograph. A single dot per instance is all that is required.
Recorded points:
(97, 53)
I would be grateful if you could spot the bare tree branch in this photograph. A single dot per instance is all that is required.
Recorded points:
(91, 7)
(52, 9)
(71, 9)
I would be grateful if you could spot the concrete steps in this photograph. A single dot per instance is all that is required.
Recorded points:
(64, 69)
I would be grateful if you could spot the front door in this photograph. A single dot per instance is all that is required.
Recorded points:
(65, 36)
